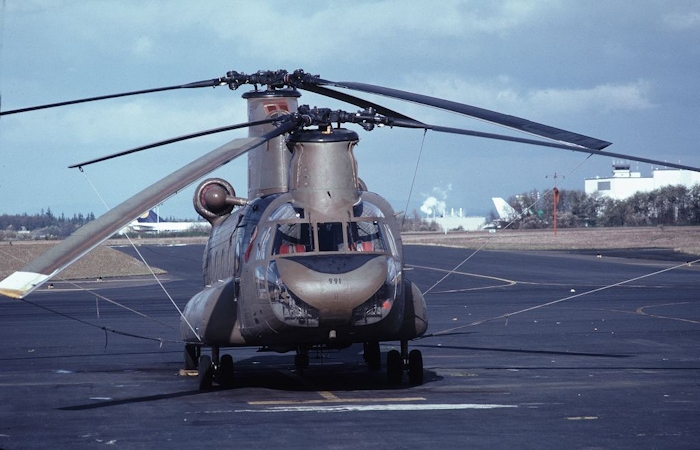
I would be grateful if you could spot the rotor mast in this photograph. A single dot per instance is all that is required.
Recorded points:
(268, 165)
(323, 173)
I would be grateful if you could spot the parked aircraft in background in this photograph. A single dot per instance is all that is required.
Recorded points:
(506, 214)
(150, 222)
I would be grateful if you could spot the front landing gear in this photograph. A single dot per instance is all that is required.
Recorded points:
(206, 373)
(192, 353)
(210, 369)
(372, 355)
(397, 362)
(301, 359)
(225, 372)
(394, 367)
(415, 367)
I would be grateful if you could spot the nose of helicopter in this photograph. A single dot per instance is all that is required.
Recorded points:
(334, 286)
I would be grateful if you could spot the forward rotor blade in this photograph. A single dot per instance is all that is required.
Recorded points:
(415, 124)
(172, 140)
(505, 120)
(21, 283)
(197, 84)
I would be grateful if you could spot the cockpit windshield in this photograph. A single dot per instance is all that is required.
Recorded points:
(365, 236)
(294, 234)
(330, 237)
(293, 238)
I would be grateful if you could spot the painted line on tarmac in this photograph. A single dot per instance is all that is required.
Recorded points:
(328, 396)
(335, 399)
(641, 311)
(506, 282)
(384, 407)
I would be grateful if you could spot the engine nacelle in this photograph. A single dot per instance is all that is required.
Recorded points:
(215, 198)
(361, 185)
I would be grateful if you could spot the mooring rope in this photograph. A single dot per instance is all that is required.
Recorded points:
(182, 316)
(413, 181)
(561, 300)
(490, 239)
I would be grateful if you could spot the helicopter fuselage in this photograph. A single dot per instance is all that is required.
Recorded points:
(276, 276)
(319, 264)
(310, 257)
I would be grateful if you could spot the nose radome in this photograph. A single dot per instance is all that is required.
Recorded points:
(334, 295)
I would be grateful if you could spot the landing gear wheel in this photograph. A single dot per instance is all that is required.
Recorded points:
(372, 355)
(226, 371)
(191, 356)
(301, 361)
(206, 372)
(394, 367)
(415, 367)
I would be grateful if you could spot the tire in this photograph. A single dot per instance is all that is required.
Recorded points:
(415, 367)
(206, 373)
(226, 371)
(191, 354)
(301, 362)
(394, 367)
(373, 355)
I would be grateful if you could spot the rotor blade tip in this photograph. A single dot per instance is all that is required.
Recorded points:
(20, 284)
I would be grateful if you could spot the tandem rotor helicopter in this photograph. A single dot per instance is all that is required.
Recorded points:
(310, 258)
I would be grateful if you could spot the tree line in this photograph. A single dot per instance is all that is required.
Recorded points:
(666, 206)
(44, 225)
(669, 205)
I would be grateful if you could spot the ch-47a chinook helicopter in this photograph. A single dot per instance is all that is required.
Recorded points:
(309, 258)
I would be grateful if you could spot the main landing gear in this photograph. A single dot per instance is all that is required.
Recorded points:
(214, 369)
(397, 362)
(210, 368)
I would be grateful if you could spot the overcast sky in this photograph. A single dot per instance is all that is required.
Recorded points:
(626, 72)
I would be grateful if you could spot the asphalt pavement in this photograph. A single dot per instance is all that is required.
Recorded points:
(524, 350)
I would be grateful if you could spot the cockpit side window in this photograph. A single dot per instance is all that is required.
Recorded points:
(365, 236)
(391, 240)
(293, 238)
(365, 209)
(286, 212)
(262, 244)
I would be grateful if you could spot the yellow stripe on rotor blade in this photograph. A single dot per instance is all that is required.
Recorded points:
(20, 284)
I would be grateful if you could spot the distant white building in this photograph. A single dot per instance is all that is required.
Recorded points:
(624, 183)
(456, 220)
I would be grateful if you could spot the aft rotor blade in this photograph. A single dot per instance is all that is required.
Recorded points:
(197, 84)
(21, 283)
(500, 137)
(173, 140)
(513, 122)
(441, 129)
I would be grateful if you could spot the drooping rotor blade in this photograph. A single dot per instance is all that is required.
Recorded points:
(197, 84)
(441, 129)
(505, 120)
(499, 137)
(21, 283)
(362, 103)
(173, 140)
